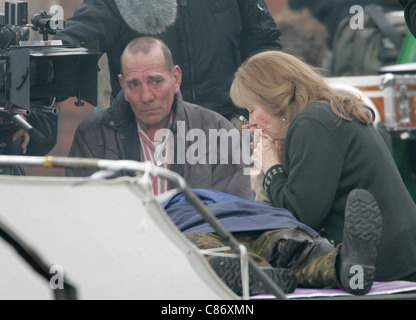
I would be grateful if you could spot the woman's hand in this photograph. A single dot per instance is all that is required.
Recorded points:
(266, 152)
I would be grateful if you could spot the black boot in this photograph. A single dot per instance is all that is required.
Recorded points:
(229, 270)
(362, 233)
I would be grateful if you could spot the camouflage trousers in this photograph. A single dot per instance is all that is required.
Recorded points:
(312, 259)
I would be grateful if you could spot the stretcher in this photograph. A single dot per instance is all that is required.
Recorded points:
(102, 238)
(96, 238)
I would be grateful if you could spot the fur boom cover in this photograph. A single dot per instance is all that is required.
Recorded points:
(148, 16)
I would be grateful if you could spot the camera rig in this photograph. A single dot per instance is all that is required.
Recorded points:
(36, 74)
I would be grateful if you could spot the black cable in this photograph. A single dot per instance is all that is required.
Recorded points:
(34, 260)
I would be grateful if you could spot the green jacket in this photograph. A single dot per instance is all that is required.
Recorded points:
(324, 160)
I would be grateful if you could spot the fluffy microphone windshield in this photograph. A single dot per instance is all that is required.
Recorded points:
(148, 16)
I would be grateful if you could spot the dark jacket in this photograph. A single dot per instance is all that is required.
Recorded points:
(112, 134)
(209, 40)
(47, 125)
(410, 14)
(324, 160)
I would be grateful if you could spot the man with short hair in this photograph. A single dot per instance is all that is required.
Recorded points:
(149, 121)
(208, 39)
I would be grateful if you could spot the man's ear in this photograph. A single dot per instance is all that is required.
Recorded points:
(120, 79)
(177, 75)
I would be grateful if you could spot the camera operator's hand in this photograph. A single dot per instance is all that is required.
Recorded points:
(26, 138)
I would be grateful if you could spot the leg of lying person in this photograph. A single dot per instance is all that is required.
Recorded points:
(312, 259)
(205, 240)
(229, 268)
(350, 266)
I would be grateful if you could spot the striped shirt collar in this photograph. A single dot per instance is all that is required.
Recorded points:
(157, 153)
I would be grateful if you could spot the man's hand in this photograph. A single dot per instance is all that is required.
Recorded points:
(26, 138)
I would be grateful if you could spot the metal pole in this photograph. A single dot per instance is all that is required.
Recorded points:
(172, 177)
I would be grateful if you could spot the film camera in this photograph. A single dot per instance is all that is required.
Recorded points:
(36, 74)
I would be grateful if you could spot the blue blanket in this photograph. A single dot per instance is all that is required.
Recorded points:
(234, 213)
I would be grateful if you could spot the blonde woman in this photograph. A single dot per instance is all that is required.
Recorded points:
(320, 155)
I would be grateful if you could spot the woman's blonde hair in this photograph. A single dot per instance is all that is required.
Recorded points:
(284, 85)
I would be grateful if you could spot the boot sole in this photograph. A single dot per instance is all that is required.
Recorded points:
(229, 270)
(362, 233)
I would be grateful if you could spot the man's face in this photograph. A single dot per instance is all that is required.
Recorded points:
(149, 87)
